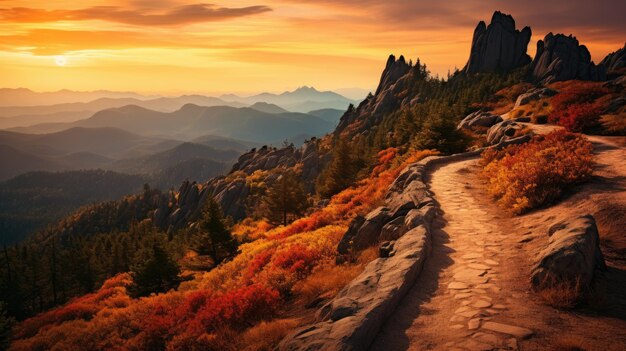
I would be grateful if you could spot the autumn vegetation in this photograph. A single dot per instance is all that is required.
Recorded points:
(527, 176)
(578, 105)
(245, 295)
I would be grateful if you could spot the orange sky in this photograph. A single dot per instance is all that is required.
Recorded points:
(173, 46)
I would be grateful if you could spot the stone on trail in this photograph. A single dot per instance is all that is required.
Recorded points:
(462, 296)
(478, 266)
(457, 286)
(482, 304)
(518, 332)
(473, 323)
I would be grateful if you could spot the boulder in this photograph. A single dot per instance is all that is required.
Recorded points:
(534, 94)
(572, 256)
(479, 119)
(498, 47)
(393, 229)
(561, 57)
(502, 131)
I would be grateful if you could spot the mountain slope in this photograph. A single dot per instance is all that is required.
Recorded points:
(183, 152)
(33, 200)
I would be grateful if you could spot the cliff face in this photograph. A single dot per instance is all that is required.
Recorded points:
(498, 47)
(561, 57)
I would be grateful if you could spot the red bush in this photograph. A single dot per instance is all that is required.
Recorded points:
(577, 107)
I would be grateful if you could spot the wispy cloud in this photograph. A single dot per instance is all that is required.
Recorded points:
(181, 15)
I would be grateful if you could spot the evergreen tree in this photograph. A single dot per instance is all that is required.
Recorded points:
(341, 172)
(214, 238)
(285, 199)
(158, 273)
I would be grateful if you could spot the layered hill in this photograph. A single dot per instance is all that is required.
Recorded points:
(192, 121)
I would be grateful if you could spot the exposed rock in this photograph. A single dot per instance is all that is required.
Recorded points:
(615, 61)
(498, 47)
(479, 119)
(232, 192)
(572, 256)
(394, 69)
(386, 249)
(534, 94)
(518, 332)
(352, 319)
(502, 131)
(391, 94)
(560, 57)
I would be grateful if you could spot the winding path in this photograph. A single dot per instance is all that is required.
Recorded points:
(460, 301)
(473, 293)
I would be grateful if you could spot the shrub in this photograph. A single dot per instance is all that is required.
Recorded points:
(527, 176)
(266, 335)
(578, 106)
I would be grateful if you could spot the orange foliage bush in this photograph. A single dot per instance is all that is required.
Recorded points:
(210, 311)
(578, 105)
(527, 176)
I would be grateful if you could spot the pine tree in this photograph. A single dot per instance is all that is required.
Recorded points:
(214, 238)
(285, 199)
(157, 273)
(341, 172)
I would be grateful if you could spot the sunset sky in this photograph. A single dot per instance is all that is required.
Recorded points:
(174, 46)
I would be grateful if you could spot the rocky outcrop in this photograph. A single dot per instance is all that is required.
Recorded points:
(406, 196)
(615, 61)
(572, 256)
(232, 191)
(387, 98)
(533, 95)
(561, 57)
(479, 119)
(498, 47)
(394, 69)
(353, 318)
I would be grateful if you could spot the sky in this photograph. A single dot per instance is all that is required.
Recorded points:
(248, 46)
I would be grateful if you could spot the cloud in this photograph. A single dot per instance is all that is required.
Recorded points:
(180, 15)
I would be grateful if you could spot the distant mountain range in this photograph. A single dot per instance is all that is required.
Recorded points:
(114, 149)
(27, 97)
(16, 110)
(192, 121)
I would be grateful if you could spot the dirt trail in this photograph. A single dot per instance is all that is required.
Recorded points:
(474, 291)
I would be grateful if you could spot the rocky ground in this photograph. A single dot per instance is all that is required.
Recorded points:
(474, 293)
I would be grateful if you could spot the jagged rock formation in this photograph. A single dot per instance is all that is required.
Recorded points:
(479, 119)
(615, 61)
(390, 96)
(498, 47)
(561, 57)
(231, 191)
(572, 256)
(176, 210)
(392, 72)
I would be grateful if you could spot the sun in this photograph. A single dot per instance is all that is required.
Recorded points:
(60, 60)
